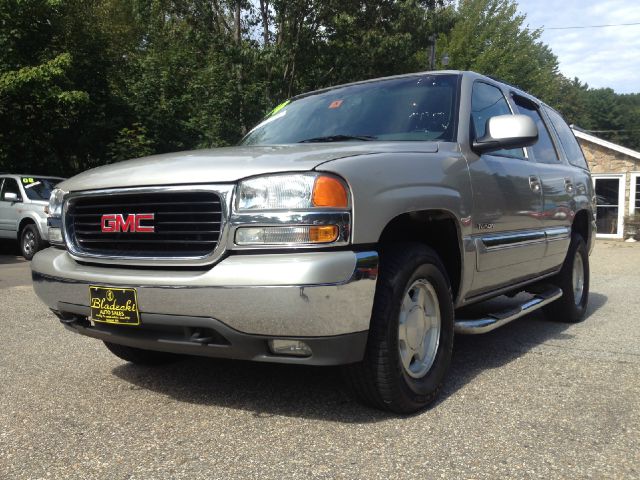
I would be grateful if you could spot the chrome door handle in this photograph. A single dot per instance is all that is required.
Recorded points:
(534, 183)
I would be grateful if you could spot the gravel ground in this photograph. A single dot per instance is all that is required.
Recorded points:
(534, 399)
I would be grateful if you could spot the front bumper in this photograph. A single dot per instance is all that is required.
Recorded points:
(43, 228)
(323, 298)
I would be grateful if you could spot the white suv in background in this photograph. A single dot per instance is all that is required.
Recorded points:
(23, 199)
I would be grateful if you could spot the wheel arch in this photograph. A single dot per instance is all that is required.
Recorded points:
(439, 229)
(23, 223)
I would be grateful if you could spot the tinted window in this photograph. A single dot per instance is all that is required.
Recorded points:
(413, 108)
(10, 186)
(39, 188)
(488, 101)
(568, 140)
(543, 150)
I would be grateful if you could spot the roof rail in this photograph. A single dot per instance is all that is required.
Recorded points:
(497, 79)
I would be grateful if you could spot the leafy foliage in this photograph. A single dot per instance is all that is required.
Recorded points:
(490, 37)
(87, 82)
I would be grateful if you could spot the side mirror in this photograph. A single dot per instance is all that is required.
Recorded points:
(507, 131)
(10, 197)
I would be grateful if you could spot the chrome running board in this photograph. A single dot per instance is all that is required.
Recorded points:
(495, 320)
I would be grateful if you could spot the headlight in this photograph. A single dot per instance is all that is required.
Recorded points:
(56, 199)
(292, 191)
(54, 209)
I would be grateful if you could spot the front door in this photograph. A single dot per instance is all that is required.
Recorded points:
(508, 234)
(8, 210)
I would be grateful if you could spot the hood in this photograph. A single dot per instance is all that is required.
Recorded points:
(220, 165)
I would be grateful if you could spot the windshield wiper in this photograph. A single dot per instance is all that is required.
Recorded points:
(338, 138)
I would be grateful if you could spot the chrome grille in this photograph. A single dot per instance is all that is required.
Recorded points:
(187, 224)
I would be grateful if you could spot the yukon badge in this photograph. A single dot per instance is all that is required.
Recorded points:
(116, 222)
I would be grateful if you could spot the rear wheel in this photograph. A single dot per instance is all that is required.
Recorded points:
(140, 356)
(30, 241)
(411, 332)
(573, 279)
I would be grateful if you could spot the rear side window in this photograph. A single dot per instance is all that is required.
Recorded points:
(488, 101)
(568, 140)
(543, 150)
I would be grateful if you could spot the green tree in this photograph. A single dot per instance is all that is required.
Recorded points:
(85, 82)
(490, 37)
(57, 108)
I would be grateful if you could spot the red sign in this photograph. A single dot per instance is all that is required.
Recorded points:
(116, 222)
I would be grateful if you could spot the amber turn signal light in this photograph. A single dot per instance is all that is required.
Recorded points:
(329, 192)
(323, 234)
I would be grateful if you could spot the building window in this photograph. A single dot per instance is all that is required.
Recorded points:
(634, 197)
(610, 204)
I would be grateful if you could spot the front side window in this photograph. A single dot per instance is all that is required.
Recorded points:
(416, 108)
(10, 186)
(488, 101)
(39, 188)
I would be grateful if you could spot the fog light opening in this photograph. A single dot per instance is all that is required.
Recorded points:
(55, 236)
(293, 348)
(287, 235)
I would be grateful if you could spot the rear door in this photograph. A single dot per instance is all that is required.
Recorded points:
(508, 234)
(558, 185)
(583, 193)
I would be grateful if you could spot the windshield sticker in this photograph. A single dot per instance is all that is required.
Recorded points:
(28, 180)
(335, 104)
(32, 184)
(279, 107)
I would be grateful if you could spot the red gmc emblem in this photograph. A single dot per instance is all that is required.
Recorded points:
(116, 222)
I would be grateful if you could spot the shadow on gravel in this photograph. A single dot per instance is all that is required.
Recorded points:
(473, 354)
(318, 393)
(9, 252)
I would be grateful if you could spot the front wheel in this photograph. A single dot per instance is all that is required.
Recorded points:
(411, 332)
(30, 241)
(573, 279)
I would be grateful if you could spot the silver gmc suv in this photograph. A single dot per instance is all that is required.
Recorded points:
(23, 200)
(350, 227)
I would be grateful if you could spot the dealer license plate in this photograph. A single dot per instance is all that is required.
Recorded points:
(117, 306)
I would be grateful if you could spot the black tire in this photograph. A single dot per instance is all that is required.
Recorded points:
(567, 308)
(140, 356)
(30, 241)
(380, 379)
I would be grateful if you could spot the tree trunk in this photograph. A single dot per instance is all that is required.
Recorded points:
(238, 30)
(264, 12)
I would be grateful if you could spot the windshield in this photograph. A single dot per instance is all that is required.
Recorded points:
(419, 108)
(39, 188)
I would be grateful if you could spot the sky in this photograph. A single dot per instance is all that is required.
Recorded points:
(601, 57)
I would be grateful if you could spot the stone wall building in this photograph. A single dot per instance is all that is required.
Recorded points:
(616, 176)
